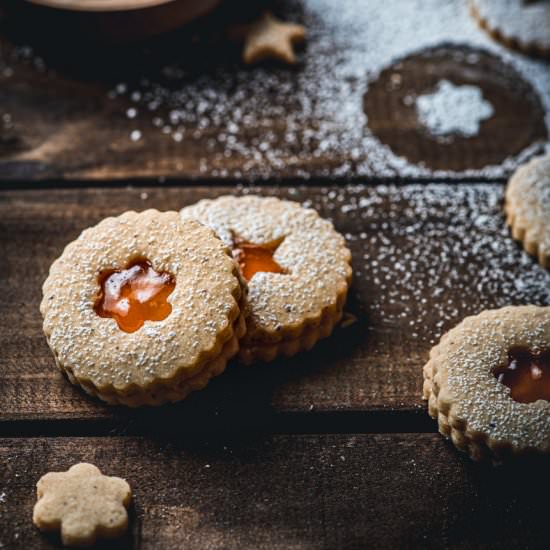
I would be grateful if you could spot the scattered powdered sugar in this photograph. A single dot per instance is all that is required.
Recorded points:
(428, 256)
(453, 109)
(239, 127)
(317, 110)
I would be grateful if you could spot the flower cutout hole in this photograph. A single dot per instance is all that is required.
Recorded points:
(527, 374)
(134, 295)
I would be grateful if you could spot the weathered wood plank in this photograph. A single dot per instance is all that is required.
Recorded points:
(424, 257)
(184, 106)
(301, 492)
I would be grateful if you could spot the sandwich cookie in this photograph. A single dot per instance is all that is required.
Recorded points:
(144, 308)
(297, 268)
(488, 383)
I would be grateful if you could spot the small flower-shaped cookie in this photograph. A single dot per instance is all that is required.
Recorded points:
(83, 503)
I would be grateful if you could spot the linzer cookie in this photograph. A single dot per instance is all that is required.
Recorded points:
(520, 24)
(528, 207)
(143, 308)
(488, 383)
(296, 264)
(83, 504)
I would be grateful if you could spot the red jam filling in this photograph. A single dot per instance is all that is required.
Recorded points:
(255, 258)
(134, 295)
(527, 374)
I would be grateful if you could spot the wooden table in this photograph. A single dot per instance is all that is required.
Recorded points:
(331, 449)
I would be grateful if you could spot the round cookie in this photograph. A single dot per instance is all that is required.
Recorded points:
(173, 279)
(528, 207)
(488, 383)
(297, 267)
(520, 24)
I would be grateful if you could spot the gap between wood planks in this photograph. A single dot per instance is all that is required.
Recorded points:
(151, 422)
(7, 184)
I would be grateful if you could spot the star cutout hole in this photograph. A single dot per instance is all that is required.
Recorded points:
(255, 258)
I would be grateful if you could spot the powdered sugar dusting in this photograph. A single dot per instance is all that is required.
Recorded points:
(427, 256)
(317, 110)
(239, 126)
(453, 109)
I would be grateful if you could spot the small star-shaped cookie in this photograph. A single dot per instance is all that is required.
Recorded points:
(83, 503)
(270, 38)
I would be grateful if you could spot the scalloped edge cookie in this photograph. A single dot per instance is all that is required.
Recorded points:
(490, 19)
(527, 207)
(164, 360)
(472, 408)
(286, 313)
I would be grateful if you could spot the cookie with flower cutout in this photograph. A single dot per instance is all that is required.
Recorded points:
(488, 383)
(143, 308)
(520, 24)
(528, 207)
(83, 504)
(296, 264)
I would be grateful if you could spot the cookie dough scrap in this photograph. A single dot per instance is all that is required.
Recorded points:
(83, 504)
(270, 38)
(144, 308)
(297, 267)
(527, 207)
(520, 24)
(487, 383)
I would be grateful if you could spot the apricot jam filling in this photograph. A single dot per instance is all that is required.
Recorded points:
(255, 258)
(527, 374)
(134, 295)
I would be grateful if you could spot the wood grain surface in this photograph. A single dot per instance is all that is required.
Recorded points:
(300, 492)
(332, 449)
(451, 238)
(184, 106)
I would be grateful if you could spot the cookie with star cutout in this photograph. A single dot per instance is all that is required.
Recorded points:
(527, 207)
(296, 264)
(488, 383)
(144, 308)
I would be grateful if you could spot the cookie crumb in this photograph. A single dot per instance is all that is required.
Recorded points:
(348, 319)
